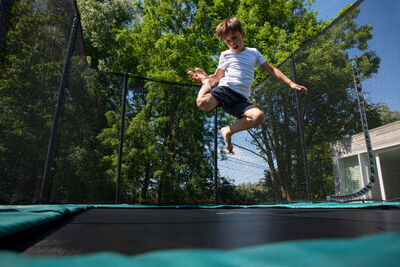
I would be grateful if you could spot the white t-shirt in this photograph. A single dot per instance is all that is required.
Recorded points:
(239, 69)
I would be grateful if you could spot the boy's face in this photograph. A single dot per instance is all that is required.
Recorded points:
(234, 40)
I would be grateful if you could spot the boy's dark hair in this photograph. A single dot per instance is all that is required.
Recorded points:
(228, 25)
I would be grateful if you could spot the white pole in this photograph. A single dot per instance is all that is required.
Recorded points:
(380, 177)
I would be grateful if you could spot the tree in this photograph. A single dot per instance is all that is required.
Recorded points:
(100, 21)
(179, 35)
(30, 76)
(179, 158)
(28, 83)
(385, 115)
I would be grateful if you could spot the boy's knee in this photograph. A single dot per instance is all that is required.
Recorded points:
(260, 117)
(203, 105)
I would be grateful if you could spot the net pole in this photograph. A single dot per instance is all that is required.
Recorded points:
(300, 120)
(57, 114)
(215, 156)
(121, 141)
(368, 143)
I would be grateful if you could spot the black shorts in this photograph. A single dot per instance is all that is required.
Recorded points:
(232, 102)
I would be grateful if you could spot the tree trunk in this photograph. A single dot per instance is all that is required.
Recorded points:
(5, 10)
(145, 185)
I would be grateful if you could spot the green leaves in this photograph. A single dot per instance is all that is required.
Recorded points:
(100, 22)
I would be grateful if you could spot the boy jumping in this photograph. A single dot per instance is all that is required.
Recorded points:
(235, 74)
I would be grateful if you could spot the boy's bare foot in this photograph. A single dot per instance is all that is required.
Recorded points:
(226, 134)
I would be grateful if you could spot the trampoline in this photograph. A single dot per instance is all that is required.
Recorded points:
(333, 233)
(88, 231)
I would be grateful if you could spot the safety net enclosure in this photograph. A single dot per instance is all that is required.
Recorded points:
(314, 145)
(62, 140)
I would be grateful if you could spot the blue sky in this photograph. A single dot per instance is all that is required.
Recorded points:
(327, 9)
(384, 86)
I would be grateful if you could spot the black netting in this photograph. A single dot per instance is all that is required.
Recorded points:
(310, 146)
(35, 48)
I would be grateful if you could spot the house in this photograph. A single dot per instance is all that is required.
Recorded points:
(350, 163)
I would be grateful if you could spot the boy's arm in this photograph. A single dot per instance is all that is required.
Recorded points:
(277, 74)
(219, 73)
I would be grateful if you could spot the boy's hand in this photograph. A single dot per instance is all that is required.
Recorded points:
(295, 86)
(195, 76)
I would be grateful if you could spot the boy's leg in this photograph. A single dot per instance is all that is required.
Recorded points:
(251, 118)
(205, 100)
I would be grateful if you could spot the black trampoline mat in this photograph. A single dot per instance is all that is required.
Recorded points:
(136, 231)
